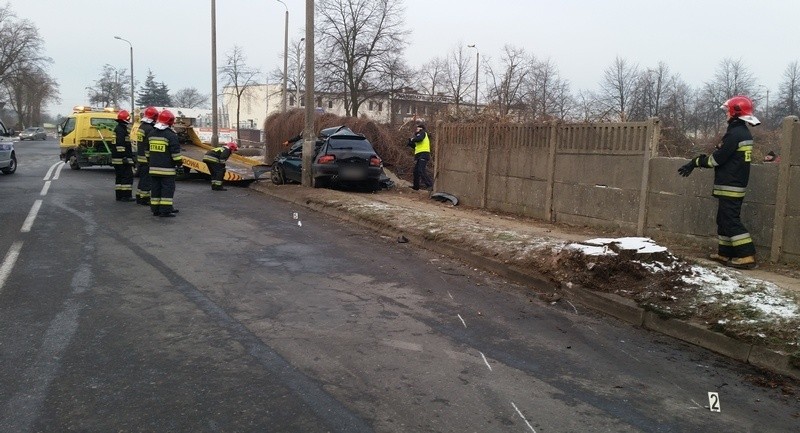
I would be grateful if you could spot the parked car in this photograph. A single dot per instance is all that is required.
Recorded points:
(33, 133)
(340, 156)
(8, 159)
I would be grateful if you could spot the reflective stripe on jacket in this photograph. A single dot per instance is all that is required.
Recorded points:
(731, 161)
(165, 152)
(218, 155)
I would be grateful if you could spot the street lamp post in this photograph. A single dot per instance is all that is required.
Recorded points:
(285, 56)
(131, 45)
(299, 74)
(477, 63)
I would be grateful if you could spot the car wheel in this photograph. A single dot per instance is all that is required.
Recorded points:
(12, 167)
(276, 175)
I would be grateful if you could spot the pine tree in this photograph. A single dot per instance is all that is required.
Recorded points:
(153, 93)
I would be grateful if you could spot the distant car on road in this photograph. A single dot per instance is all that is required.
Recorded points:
(33, 133)
(340, 155)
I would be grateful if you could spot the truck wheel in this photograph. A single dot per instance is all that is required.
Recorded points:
(73, 163)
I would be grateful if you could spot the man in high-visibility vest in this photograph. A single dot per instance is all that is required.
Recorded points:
(421, 143)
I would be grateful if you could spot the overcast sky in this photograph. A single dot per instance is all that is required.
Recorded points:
(582, 37)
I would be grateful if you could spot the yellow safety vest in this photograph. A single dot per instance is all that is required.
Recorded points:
(423, 146)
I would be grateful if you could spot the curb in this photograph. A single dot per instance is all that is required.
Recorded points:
(606, 303)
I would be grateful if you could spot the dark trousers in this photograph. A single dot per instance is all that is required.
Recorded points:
(161, 194)
(123, 180)
(145, 182)
(217, 173)
(421, 170)
(734, 239)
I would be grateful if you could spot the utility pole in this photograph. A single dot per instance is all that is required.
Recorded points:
(308, 133)
(285, 57)
(214, 120)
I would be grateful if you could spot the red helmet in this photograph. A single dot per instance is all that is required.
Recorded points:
(232, 146)
(124, 116)
(742, 107)
(166, 117)
(150, 113)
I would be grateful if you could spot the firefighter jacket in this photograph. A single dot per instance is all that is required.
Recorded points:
(421, 142)
(217, 155)
(165, 152)
(142, 144)
(121, 151)
(731, 161)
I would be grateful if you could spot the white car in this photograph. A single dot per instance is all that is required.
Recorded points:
(8, 158)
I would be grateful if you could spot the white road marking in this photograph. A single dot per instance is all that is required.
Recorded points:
(486, 361)
(9, 261)
(45, 188)
(58, 171)
(26, 226)
(523, 417)
(573, 307)
(50, 170)
(403, 345)
(448, 294)
(462, 320)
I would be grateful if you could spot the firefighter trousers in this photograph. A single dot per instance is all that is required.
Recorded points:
(123, 181)
(734, 239)
(145, 183)
(217, 173)
(161, 195)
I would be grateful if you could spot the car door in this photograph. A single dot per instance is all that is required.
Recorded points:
(5, 134)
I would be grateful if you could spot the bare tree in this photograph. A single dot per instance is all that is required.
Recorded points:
(788, 99)
(394, 75)
(190, 97)
(546, 94)
(432, 76)
(239, 77)
(357, 38)
(110, 88)
(617, 87)
(28, 92)
(506, 83)
(20, 44)
(459, 74)
(731, 78)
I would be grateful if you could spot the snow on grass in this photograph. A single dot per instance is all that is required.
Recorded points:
(726, 285)
(603, 246)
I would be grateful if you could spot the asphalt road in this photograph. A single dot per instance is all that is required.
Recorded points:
(247, 314)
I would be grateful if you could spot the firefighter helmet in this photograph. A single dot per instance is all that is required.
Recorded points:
(150, 113)
(742, 107)
(166, 117)
(232, 146)
(124, 116)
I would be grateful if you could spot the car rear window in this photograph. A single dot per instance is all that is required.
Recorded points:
(350, 143)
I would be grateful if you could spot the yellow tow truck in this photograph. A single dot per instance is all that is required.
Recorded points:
(87, 136)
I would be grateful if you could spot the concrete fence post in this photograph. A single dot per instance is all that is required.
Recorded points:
(650, 151)
(488, 151)
(788, 126)
(552, 141)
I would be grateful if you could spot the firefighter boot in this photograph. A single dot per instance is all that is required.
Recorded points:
(719, 258)
(748, 262)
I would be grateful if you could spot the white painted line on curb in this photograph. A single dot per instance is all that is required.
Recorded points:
(26, 226)
(58, 172)
(45, 188)
(9, 261)
(50, 170)
(462, 320)
(486, 361)
(523, 417)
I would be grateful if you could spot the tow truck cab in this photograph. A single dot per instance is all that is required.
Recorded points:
(87, 136)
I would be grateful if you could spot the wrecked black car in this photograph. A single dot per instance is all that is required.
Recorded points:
(341, 157)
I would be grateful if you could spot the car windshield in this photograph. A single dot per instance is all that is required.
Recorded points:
(350, 144)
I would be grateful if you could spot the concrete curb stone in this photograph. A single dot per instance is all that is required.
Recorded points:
(606, 303)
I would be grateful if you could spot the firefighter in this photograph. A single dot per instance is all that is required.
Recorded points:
(122, 158)
(142, 152)
(731, 163)
(421, 143)
(165, 162)
(215, 159)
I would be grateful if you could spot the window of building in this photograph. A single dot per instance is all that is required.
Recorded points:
(291, 100)
(371, 106)
(330, 103)
(380, 106)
